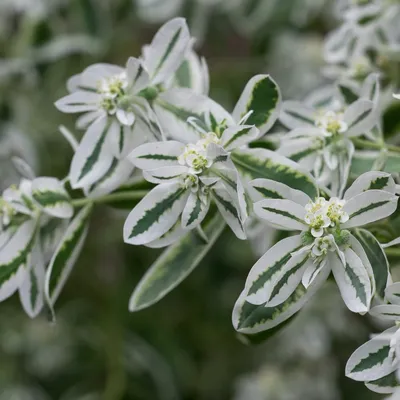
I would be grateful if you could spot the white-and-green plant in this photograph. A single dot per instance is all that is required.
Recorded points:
(154, 140)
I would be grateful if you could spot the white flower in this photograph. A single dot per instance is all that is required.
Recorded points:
(396, 96)
(325, 243)
(25, 212)
(121, 95)
(377, 362)
(189, 176)
(320, 139)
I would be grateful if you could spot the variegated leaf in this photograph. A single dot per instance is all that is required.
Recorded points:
(51, 196)
(368, 207)
(267, 270)
(174, 265)
(372, 360)
(14, 258)
(262, 97)
(251, 319)
(92, 159)
(32, 288)
(177, 107)
(263, 163)
(65, 256)
(385, 385)
(156, 213)
(376, 257)
(167, 50)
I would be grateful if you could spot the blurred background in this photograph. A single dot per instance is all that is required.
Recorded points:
(185, 346)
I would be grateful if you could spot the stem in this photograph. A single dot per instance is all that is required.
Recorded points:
(392, 252)
(374, 145)
(109, 198)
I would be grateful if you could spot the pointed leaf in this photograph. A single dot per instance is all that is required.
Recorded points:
(65, 256)
(261, 96)
(262, 163)
(174, 265)
(50, 194)
(156, 213)
(376, 257)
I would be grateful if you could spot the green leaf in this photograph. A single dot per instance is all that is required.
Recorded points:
(66, 255)
(263, 163)
(376, 257)
(174, 265)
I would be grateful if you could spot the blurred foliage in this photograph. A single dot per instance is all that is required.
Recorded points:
(184, 347)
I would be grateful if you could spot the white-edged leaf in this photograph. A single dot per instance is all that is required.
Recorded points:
(368, 207)
(14, 258)
(174, 265)
(263, 163)
(195, 210)
(155, 214)
(353, 281)
(389, 312)
(79, 101)
(156, 155)
(193, 74)
(392, 293)
(371, 361)
(65, 256)
(376, 256)
(51, 196)
(285, 214)
(138, 77)
(230, 210)
(290, 277)
(92, 158)
(32, 287)
(297, 115)
(373, 180)
(165, 174)
(167, 50)
(267, 270)
(237, 136)
(251, 319)
(262, 97)
(385, 385)
(175, 108)
(175, 233)
(117, 175)
(275, 190)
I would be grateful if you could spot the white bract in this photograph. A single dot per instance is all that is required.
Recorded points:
(377, 362)
(367, 26)
(188, 177)
(320, 139)
(325, 243)
(26, 213)
(120, 96)
(182, 113)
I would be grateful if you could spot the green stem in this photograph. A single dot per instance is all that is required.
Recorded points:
(110, 198)
(375, 145)
(391, 252)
